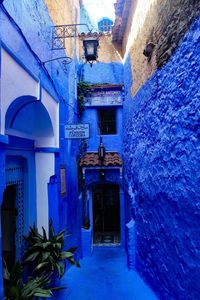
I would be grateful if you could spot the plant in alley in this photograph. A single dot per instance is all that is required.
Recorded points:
(16, 289)
(45, 255)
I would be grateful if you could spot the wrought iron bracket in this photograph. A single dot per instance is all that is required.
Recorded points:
(65, 60)
(61, 32)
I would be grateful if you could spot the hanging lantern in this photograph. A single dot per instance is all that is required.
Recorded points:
(101, 151)
(90, 46)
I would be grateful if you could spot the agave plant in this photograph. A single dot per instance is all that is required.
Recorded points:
(45, 255)
(16, 289)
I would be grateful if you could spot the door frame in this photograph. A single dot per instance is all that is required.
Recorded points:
(122, 210)
(102, 192)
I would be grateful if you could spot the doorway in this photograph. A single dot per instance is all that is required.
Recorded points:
(8, 224)
(12, 211)
(106, 214)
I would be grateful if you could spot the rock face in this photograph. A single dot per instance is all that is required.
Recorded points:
(162, 163)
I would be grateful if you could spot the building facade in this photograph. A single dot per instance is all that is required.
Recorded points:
(102, 168)
(37, 100)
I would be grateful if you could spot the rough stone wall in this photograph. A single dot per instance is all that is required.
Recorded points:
(165, 24)
(107, 52)
(162, 163)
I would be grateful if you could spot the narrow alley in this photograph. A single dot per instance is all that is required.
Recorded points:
(105, 276)
(100, 149)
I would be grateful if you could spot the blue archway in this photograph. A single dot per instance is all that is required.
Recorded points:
(29, 115)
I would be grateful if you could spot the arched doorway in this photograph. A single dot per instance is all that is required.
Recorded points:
(32, 127)
(106, 214)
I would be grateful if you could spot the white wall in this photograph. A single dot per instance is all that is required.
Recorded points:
(15, 82)
(45, 166)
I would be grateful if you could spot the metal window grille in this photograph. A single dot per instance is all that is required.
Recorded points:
(107, 122)
(105, 25)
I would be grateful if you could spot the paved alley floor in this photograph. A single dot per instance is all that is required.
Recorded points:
(104, 276)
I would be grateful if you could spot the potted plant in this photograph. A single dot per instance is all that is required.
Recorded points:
(46, 255)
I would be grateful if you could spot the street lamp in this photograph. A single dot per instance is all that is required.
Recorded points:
(90, 46)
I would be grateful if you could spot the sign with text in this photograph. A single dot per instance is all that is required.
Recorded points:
(104, 98)
(77, 131)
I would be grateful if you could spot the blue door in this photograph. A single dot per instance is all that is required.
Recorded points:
(12, 211)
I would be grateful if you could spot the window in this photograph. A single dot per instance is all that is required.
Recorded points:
(105, 25)
(107, 121)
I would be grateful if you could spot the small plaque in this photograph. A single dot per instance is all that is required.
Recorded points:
(63, 181)
(77, 131)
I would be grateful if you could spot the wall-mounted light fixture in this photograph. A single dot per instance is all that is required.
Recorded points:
(90, 46)
(101, 151)
(90, 40)
(148, 50)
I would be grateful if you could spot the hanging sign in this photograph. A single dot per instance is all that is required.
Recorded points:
(77, 131)
(104, 98)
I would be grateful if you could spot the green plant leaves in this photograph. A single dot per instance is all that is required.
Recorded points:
(83, 89)
(16, 289)
(43, 258)
(45, 255)
(73, 262)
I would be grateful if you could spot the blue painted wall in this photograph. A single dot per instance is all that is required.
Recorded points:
(101, 73)
(112, 142)
(162, 163)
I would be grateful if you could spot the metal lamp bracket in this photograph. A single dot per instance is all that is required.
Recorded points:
(61, 32)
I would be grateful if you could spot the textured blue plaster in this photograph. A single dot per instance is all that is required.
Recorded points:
(111, 176)
(111, 142)
(102, 73)
(104, 276)
(162, 179)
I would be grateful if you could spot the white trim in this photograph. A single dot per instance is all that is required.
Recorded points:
(45, 166)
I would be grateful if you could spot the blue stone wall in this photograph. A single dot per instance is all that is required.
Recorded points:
(162, 179)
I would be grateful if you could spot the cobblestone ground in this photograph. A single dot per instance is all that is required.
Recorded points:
(104, 276)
